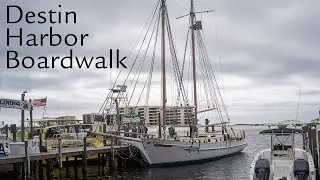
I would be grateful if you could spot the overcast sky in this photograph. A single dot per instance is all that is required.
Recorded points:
(269, 51)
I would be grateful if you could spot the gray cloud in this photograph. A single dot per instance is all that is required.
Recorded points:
(269, 44)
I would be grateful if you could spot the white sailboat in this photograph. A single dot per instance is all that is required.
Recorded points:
(173, 149)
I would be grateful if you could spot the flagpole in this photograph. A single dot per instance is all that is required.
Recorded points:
(44, 109)
(31, 120)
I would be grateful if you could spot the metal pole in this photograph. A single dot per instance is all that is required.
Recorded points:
(159, 133)
(118, 117)
(31, 120)
(60, 153)
(163, 63)
(22, 118)
(192, 17)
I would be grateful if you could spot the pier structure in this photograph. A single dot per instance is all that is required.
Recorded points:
(61, 161)
(41, 166)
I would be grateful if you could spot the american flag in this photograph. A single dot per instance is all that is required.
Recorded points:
(39, 102)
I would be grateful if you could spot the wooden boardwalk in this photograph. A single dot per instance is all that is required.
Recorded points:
(51, 154)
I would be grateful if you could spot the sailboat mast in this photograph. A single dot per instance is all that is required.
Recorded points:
(163, 62)
(192, 18)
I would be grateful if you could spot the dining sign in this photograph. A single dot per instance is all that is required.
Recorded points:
(14, 104)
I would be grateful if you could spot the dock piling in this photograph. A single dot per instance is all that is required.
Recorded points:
(99, 160)
(33, 166)
(84, 158)
(60, 157)
(26, 171)
(40, 170)
(75, 169)
(67, 168)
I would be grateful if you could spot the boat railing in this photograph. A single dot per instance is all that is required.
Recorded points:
(135, 134)
(66, 135)
(70, 143)
(306, 148)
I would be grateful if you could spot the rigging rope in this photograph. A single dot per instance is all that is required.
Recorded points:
(103, 107)
(115, 82)
(142, 62)
(152, 66)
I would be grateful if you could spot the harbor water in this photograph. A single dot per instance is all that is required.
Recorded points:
(231, 168)
(236, 167)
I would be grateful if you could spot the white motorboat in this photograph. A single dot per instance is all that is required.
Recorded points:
(283, 160)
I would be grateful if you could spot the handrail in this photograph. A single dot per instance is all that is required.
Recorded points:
(135, 133)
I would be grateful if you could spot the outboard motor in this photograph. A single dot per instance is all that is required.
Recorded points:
(262, 169)
(301, 169)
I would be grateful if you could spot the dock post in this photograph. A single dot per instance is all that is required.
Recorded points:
(26, 173)
(50, 175)
(99, 167)
(67, 168)
(103, 162)
(36, 169)
(60, 158)
(110, 162)
(13, 129)
(75, 169)
(84, 158)
(40, 170)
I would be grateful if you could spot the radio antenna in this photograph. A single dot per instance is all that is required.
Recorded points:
(298, 103)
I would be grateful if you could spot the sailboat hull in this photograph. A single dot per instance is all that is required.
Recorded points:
(170, 153)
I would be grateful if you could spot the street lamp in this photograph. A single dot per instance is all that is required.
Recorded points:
(22, 116)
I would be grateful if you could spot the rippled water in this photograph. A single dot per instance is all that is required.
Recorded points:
(231, 168)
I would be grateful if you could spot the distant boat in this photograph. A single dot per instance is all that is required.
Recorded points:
(284, 159)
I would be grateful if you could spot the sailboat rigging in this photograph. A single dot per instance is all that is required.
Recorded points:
(173, 148)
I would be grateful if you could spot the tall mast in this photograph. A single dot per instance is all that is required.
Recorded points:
(192, 18)
(163, 63)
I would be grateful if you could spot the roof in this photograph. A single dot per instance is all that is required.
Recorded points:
(315, 120)
(281, 130)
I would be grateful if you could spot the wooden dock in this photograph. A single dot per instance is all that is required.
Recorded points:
(32, 166)
(67, 152)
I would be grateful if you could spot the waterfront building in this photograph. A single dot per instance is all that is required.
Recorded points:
(149, 115)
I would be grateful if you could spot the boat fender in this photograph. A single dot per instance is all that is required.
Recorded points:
(301, 169)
